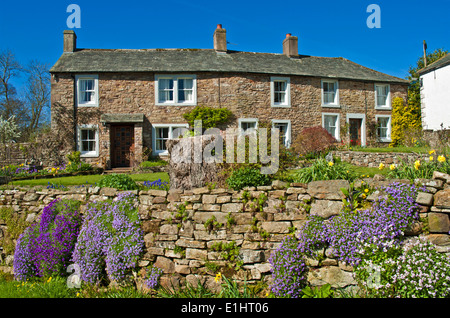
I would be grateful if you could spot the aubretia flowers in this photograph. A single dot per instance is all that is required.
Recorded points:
(45, 249)
(110, 239)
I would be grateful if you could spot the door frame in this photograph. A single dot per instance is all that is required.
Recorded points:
(112, 128)
(363, 125)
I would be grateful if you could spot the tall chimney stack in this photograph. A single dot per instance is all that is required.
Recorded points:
(220, 39)
(290, 46)
(70, 41)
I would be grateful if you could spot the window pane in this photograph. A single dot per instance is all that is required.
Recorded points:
(162, 132)
(383, 127)
(185, 89)
(165, 89)
(283, 131)
(330, 124)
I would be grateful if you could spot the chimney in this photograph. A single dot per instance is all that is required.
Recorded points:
(290, 46)
(220, 39)
(70, 41)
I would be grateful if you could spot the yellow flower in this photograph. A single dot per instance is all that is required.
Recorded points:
(363, 196)
(441, 158)
(49, 279)
(431, 158)
(366, 190)
(417, 164)
(392, 167)
(218, 277)
(330, 163)
(70, 163)
(78, 294)
(431, 152)
(381, 166)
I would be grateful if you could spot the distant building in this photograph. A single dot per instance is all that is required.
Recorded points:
(435, 94)
(113, 104)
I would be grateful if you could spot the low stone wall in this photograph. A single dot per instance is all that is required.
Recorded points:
(373, 159)
(187, 231)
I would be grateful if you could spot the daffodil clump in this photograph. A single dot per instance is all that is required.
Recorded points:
(420, 168)
(321, 169)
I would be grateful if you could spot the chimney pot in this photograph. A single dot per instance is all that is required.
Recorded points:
(70, 41)
(290, 45)
(220, 39)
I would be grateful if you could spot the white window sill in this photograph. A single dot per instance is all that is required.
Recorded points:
(281, 105)
(89, 155)
(331, 105)
(87, 105)
(383, 107)
(177, 104)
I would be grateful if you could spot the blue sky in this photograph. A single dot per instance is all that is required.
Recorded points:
(34, 29)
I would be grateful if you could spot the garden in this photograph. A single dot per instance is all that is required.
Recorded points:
(106, 240)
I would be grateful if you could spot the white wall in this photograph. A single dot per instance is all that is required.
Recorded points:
(435, 98)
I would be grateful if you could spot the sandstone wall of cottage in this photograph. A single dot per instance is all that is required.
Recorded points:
(246, 95)
(180, 234)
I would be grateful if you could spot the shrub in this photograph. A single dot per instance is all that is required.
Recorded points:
(246, 177)
(210, 117)
(313, 141)
(45, 249)
(323, 170)
(110, 240)
(118, 181)
(75, 163)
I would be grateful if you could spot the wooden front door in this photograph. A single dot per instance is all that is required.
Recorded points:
(355, 131)
(122, 145)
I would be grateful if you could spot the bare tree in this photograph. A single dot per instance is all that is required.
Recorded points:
(10, 104)
(37, 93)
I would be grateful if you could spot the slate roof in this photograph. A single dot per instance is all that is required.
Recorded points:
(208, 60)
(443, 61)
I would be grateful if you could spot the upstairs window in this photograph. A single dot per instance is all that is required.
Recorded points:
(330, 93)
(280, 91)
(87, 90)
(382, 96)
(176, 90)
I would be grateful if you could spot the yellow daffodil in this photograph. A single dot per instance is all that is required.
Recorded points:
(49, 279)
(441, 158)
(366, 190)
(417, 164)
(363, 196)
(431, 152)
(330, 163)
(381, 166)
(431, 158)
(218, 277)
(392, 167)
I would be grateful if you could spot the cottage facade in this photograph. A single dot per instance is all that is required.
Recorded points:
(115, 105)
(435, 94)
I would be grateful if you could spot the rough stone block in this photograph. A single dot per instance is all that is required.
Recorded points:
(209, 199)
(424, 198)
(232, 207)
(325, 208)
(327, 190)
(276, 227)
(438, 223)
(442, 199)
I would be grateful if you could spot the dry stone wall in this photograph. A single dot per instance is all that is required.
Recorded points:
(373, 159)
(191, 234)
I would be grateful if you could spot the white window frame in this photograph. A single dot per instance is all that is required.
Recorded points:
(171, 127)
(247, 120)
(287, 92)
(88, 154)
(389, 128)
(93, 103)
(338, 125)
(288, 131)
(336, 95)
(388, 97)
(175, 79)
(363, 125)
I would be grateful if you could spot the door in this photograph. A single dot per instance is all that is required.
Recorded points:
(355, 131)
(122, 145)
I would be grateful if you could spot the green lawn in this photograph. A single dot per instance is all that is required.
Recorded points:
(89, 179)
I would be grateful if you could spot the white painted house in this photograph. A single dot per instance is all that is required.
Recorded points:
(435, 94)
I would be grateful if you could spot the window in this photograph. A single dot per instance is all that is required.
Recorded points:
(87, 90)
(382, 96)
(285, 131)
(330, 93)
(248, 123)
(164, 132)
(280, 91)
(175, 90)
(88, 140)
(330, 122)
(383, 128)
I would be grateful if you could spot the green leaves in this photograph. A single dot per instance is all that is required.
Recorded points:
(118, 181)
(210, 117)
(246, 177)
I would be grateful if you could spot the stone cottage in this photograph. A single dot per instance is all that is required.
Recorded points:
(115, 104)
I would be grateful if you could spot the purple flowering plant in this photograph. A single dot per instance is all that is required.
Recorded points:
(345, 235)
(45, 248)
(110, 240)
